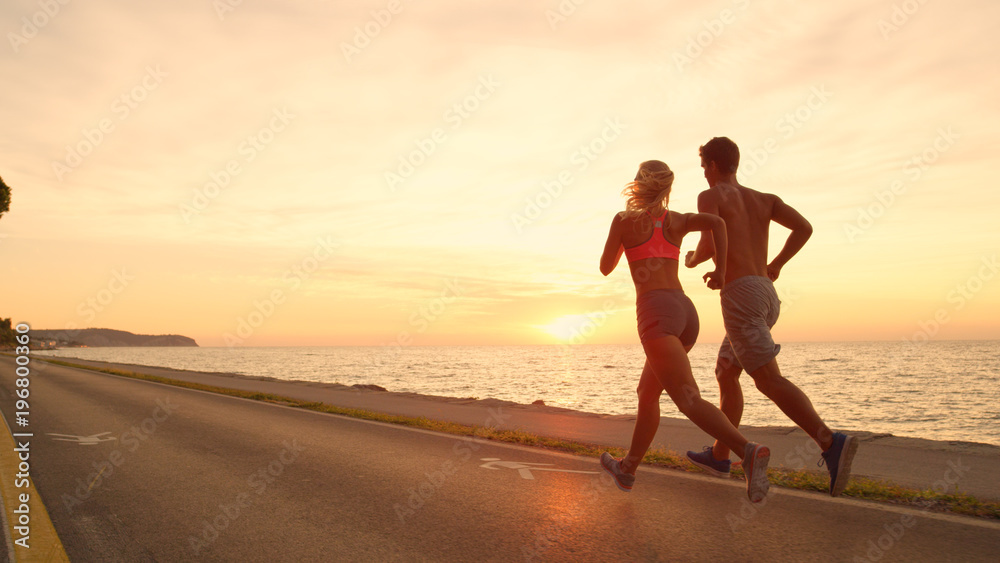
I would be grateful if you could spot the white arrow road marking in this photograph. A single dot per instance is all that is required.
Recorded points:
(84, 440)
(524, 468)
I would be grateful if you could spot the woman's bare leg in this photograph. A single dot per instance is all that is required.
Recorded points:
(647, 419)
(670, 365)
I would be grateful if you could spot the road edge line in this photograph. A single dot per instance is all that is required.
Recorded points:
(41, 524)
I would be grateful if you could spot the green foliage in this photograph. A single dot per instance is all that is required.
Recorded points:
(6, 334)
(4, 197)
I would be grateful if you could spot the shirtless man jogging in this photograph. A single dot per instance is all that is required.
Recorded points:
(750, 308)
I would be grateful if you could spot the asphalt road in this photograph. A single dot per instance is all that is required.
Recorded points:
(137, 471)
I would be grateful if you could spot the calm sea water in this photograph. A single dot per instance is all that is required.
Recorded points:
(935, 390)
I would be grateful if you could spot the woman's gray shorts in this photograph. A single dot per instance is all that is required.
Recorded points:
(666, 312)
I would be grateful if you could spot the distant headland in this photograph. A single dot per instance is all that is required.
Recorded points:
(104, 338)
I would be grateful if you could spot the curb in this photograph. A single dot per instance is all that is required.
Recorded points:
(42, 540)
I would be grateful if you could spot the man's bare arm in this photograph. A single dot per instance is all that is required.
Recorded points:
(706, 244)
(786, 216)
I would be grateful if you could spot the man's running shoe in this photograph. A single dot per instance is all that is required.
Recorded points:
(705, 460)
(838, 460)
(614, 467)
(755, 461)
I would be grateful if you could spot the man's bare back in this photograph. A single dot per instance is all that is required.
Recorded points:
(748, 215)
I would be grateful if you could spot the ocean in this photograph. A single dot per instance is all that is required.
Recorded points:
(934, 390)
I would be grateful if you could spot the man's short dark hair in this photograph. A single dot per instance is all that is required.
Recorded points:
(723, 152)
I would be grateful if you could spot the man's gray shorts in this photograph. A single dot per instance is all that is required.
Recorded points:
(750, 307)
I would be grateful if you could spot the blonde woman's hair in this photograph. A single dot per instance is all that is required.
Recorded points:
(650, 190)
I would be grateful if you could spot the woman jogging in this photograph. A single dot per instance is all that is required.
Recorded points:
(650, 236)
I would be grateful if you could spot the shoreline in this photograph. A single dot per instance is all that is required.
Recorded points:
(944, 466)
(905, 441)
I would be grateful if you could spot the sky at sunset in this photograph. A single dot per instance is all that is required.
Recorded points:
(266, 173)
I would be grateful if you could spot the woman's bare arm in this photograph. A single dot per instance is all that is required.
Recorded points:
(705, 248)
(708, 222)
(613, 248)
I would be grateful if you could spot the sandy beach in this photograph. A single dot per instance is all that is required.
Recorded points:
(925, 464)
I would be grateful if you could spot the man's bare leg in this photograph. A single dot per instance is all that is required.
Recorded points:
(730, 400)
(793, 402)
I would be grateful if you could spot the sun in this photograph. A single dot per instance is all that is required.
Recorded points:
(569, 327)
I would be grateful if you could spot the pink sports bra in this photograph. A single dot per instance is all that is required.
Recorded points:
(655, 246)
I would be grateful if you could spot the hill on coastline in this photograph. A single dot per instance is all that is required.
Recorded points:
(106, 337)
